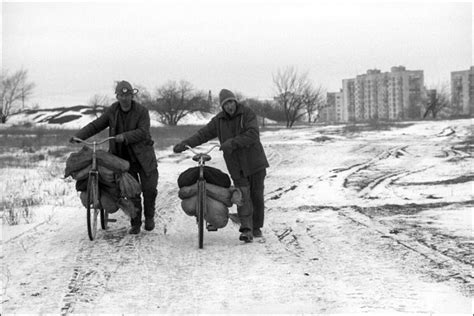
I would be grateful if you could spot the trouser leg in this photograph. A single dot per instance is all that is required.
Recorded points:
(245, 210)
(256, 195)
(149, 183)
(137, 201)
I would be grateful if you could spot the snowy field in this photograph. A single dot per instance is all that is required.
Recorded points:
(356, 222)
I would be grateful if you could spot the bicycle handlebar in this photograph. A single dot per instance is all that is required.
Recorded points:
(93, 142)
(203, 153)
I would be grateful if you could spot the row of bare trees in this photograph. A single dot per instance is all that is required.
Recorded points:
(296, 98)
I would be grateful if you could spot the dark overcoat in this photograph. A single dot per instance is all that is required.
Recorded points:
(137, 133)
(247, 156)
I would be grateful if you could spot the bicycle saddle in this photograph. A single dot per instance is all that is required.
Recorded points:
(205, 157)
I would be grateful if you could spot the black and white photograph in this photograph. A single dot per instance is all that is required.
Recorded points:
(237, 157)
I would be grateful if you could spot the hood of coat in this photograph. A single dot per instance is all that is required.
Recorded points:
(238, 111)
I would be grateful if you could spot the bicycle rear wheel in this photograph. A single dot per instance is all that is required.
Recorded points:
(92, 205)
(200, 211)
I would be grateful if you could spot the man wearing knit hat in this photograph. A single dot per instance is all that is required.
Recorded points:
(129, 122)
(236, 127)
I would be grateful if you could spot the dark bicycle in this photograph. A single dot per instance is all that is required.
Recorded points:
(93, 193)
(201, 158)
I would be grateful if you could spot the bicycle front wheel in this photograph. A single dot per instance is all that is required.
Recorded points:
(200, 211)
(92, 205)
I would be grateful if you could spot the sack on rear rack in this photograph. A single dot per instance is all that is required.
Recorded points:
(212, 175)
(228, 196)
(217, 213)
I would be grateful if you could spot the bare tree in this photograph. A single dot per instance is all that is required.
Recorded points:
(14, 89)
(290, 88)
(176, 100)
(436, 101)
(97, 102)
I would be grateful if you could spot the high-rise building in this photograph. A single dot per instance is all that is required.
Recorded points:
(393, 95)
(462, 91)
(334, 111)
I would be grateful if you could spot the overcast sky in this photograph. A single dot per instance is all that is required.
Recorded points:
(74, 50)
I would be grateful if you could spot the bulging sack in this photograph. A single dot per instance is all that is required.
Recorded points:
(129, 186)
(108, 203)
(83, 158)
(217, 213)
(211, 174)
(228, 196)
(127, 207)
(189, 205)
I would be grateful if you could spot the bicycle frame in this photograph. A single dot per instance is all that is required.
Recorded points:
(93, 193)
(201, 159)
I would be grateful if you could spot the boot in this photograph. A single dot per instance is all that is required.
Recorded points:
(257, 232)
(135, 230)
(246, 235)
(149, 224)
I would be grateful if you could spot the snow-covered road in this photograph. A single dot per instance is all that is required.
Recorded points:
(355, 222)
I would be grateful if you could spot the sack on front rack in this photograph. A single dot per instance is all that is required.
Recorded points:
(81, 159)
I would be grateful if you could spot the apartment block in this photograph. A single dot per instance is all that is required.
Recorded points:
(393, 95)
(462, 91)
(335, 111)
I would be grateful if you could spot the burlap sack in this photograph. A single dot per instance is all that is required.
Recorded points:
(228, 196)
(189, 205)
(106, 176)
(108, 202)
(81, 174)
(83, 197)
(83, 158)
(78, 161)
(217, 213)
(127, 207)
(112, 162)
(129, 187)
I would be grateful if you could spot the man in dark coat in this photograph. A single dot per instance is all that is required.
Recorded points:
(236, 127)
(129, 122)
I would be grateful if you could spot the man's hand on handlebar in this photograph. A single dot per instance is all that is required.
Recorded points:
(119, 138)
(178, 148)
(74, 140)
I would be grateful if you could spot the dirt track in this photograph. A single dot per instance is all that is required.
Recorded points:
(345, 232)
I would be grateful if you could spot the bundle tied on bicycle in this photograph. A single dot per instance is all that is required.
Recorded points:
(116, 185)
(220, 195)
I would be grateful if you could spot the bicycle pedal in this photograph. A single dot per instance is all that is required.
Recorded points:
(211, 228)
(111, 220)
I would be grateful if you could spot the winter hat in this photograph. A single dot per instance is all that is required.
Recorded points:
(124, 87)
(226, 95)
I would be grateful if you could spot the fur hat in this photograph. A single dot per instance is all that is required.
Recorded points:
(124, 87)
(226, 95)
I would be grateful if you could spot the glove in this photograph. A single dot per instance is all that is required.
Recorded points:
(179, 147)
(227, 146)
(119, 138)
(73, 141)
